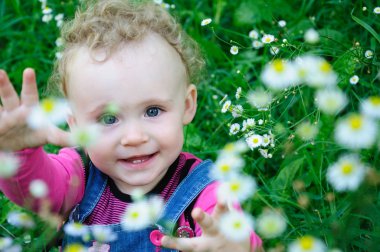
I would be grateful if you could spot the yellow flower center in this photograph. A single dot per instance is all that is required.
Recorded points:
(47, 105)
(74, 248)
(229, 147)
(307, 242)
(135, 215)
(375, 100)
(302, 73)
(235, 186)
(347, 168)
(255, 140)
(225, 168)
(355, 122)
(237, 225)
(278, 66)
(325, 67)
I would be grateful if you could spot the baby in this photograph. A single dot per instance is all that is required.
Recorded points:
(134, 57)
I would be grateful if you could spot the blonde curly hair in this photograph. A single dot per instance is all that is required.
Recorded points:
(106, 24)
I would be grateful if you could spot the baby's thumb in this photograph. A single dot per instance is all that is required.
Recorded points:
(59, 137)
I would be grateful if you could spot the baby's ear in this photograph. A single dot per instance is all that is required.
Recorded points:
(190, 104)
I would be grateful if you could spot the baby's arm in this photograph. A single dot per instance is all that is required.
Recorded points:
(16, 136)
(63, 174)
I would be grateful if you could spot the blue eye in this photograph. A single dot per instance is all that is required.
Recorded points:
(152, 112)
(108, 119)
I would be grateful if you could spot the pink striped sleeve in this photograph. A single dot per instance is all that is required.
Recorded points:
(63, 173)
(207, 201)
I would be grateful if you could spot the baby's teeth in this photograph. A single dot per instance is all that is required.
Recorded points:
(137, 161)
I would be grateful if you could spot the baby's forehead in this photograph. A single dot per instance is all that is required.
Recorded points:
(151, 47)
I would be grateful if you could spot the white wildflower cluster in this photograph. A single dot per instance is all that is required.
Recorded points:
(258, 42)
(234, 187)
(253, 130)
(142, 213)
(311, 70)
(47, 14)
(7, 244)
(20, 219)
(101, 234)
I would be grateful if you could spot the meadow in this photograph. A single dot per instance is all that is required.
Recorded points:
(298, 82)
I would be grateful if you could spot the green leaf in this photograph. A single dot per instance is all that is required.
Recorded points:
(366, 26)
(286, 176)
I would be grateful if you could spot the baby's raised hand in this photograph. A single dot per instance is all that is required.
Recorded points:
(212, 239)
(14, 132)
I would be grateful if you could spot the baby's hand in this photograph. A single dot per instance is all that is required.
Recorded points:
(14, 132)
(211, 239)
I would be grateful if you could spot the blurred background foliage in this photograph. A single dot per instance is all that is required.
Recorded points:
(294, 179)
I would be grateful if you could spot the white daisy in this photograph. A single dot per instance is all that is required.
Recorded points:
(234, 129)
(137, 216)
(226, 106)
(260, 121)
(253, 34)
(226, 166)
(331, 101)
(356, 131)
(274, 50)
(260, 99)
(76, 229)
(267, 38)
(103, 234)
(354, 80)
(282, 23)
(254, 141)
(368, 54)
(315, 71)
(307, 243)
(311, 36)
(347, 173)
(236, 226)
(9, 164)
(49, 110)
(307, 131)
(38, 188)
(266, 140)
(234, 50)
(84, 136)
(237, 111)
(238, 93)
(376, 10)
(270, 224)
(21, 220)
(206, 21)
(257, 44)
(238, 188)
(371, 107)
(5, 242)
(279, 74)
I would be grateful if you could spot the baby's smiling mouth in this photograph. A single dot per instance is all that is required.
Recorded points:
(139, 159)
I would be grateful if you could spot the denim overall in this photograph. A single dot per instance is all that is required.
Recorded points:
(147, 239)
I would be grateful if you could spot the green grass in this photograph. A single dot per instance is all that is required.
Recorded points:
(351, 220)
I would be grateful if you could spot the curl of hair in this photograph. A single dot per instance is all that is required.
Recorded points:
(106, 24)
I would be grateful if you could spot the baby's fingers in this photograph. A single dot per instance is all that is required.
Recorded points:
(184, 244)
(29, 92)
(8, 95)
(205, 221)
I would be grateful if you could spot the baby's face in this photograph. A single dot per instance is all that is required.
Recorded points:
(146, 81)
